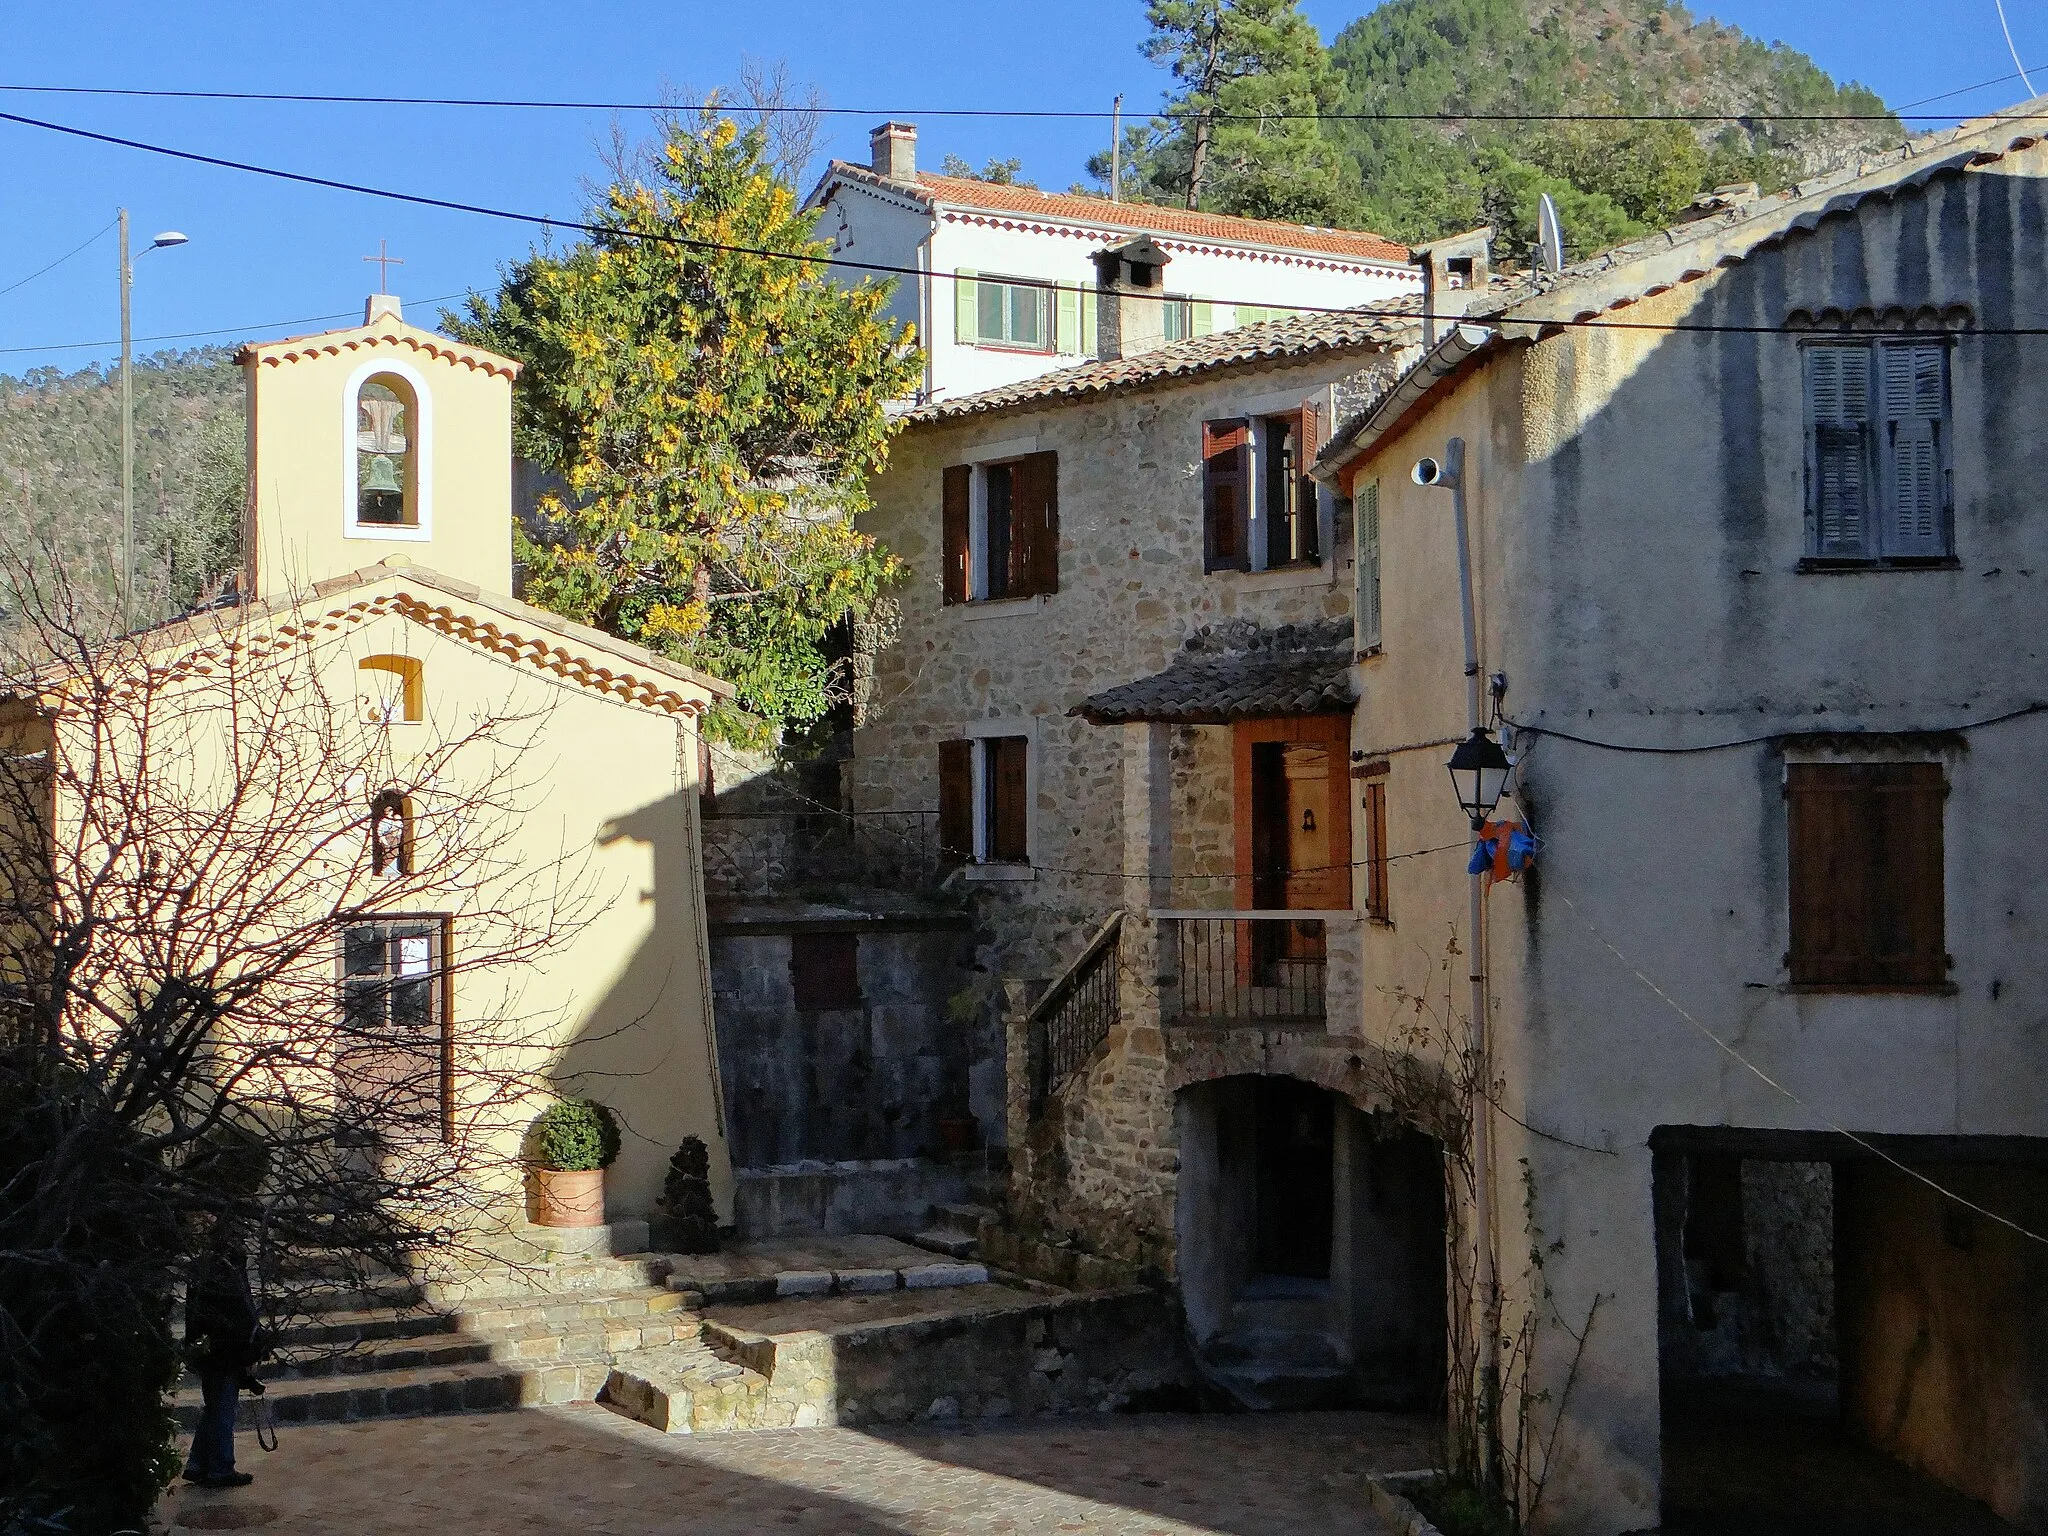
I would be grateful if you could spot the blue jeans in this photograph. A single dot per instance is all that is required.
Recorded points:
(213, 1446)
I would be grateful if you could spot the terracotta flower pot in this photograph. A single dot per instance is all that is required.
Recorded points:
(557, 1197)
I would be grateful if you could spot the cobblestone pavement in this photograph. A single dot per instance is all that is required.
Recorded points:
(585, 1469)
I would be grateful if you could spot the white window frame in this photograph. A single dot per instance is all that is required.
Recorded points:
(981, 732)
(1324, 570)
(984, 458)
(1049, 302)
(422, 434)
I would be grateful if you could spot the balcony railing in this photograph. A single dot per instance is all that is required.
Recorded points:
(1256, 967)
(1077, 1012)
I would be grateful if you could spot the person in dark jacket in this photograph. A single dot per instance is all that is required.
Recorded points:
(223, 1342)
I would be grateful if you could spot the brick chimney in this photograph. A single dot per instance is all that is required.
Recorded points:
(892, 151)
(1130, 291)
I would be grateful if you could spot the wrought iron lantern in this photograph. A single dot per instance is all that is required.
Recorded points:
(1479, 773)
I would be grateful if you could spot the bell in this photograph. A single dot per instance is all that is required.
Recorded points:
(383, 477)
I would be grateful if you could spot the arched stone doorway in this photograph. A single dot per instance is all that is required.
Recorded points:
(1311, 1247)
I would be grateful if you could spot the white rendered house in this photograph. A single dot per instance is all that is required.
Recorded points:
(1007, 290)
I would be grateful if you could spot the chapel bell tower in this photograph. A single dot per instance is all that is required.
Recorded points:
(380, 444)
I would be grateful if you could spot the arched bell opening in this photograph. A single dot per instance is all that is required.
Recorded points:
(387, 441)
(1311, 1247)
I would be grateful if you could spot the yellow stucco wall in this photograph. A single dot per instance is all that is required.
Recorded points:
(301, 399)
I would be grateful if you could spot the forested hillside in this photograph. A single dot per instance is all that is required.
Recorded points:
(1611, 180)
(60, 471)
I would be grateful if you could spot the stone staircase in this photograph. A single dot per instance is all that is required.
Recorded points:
(492, 1339)
(954, 1229)
(1277, 1352)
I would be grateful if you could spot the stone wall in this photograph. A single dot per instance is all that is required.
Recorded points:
(865, 1082)
(1099, 1169)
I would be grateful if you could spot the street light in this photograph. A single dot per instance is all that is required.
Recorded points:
(1479, 773)
(162, 242)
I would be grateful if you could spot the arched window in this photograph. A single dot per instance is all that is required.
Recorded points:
(387, 433)
(391, 841)
(393, 690)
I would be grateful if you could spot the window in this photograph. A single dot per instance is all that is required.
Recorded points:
(1260, 510)
(1001, 529)
(1292, 813)
(1366, 520)
(393, 690)
(1186, 318)
(1877, 434)
(824, 970)
(984, 800)
(1865, 874)
(999, 312)
(394, 1005)
(1373, 803)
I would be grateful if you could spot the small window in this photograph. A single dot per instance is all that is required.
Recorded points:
(824, 970)
(387, 473)
(1877, 451)
(984, 800)
(1260, 510)
(1366, 521)
(1865, 874)
(1001, 529)
(998, 312)
(1373, 803)
(393, 690)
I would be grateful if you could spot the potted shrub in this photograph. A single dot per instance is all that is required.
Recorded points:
(568, 1149)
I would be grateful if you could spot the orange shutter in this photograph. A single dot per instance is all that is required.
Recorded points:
(1035, 525)
(956, 801)
(1225, 454)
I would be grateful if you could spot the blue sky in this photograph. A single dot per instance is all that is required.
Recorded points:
(264, 255)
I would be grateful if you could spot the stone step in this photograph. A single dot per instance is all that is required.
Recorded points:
(534, 1343)
(572, 1276)
(1282, 1388)
(489, 1315)
(948, 1241)
(1277, 1346)
(465, 1387)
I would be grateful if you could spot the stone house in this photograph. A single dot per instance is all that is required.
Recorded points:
(1122, 688)
(1756, 562)
(1005, 286)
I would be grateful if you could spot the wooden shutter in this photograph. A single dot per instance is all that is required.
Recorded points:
(956, 801)
(1913, 390)
(1865, 867)
(1091, 322)
(1838, 415)
(824, 970)
(966, 316)
(1307, 425)
(958, 484)
(1008, 800)
(1035, 524)
(1202, 317)
(1374, 804)
(1366, 518)
(1225, 453)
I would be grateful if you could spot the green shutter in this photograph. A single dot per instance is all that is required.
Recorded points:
(1366, 536)
(1067, 328)
(1205, 317)
(966, 328)
(1089, 320)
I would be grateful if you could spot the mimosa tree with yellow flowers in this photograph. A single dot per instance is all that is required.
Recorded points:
(709, 407)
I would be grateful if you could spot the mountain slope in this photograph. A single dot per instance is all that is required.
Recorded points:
(1612, 180)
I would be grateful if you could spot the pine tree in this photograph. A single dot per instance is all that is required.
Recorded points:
(1239, 134)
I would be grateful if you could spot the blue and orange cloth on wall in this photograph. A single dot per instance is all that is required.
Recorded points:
(1504, 850)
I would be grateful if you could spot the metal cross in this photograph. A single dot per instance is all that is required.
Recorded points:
(385, 262)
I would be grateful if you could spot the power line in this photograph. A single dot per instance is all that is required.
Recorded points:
(716, 247)
(224, 330)
(39, 271)
(542, 104)
(2021, 713)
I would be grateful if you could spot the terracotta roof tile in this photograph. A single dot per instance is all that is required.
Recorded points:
(1236, 672)
(1382, 327)
(995, 197)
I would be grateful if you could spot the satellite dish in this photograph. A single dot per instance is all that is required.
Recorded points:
(1549, 235)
